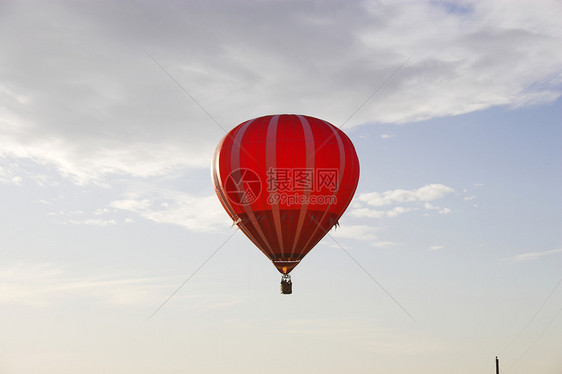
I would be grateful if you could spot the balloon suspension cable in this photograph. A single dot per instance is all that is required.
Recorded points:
(286, 285)
(192, 275)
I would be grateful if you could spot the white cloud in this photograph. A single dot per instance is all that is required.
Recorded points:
(366, 212)
(444, 211)
(132, 205)
(157, 200)
(93, 222)
(385, 244)
(428, 192)
(432, 192)
(67, 214)
(397, 211)
(360, 207)
(41, 285)
(428, 206)
(439, 210)
(80, 217)
(363, 232)
(8, 175)
(371, 213)
(530, 256)
(196, 213)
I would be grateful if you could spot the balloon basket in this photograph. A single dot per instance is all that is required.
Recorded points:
(286, 285)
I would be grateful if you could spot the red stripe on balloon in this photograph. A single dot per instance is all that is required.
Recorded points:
(340, 178)
(235, 167)
(271, 164)
(310, 160)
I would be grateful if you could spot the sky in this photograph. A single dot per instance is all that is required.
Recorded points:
(110, 112)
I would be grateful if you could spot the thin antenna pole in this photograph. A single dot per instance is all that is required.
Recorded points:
(497, 365)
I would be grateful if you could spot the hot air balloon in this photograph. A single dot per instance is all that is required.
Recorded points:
(285, 180)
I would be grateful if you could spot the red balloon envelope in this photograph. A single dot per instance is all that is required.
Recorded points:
(285, 180)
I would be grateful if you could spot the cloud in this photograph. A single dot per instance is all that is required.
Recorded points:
(8, 175)
(160, 200)
(429, 206)
(444, 211)
(94, 222)
(195, 213)
(371, 213)
(385, 244)
(363, 232)
(80, 217)
(80, 93)
(428, 192)
(40, 285)
(531, 256)
(132, 205)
